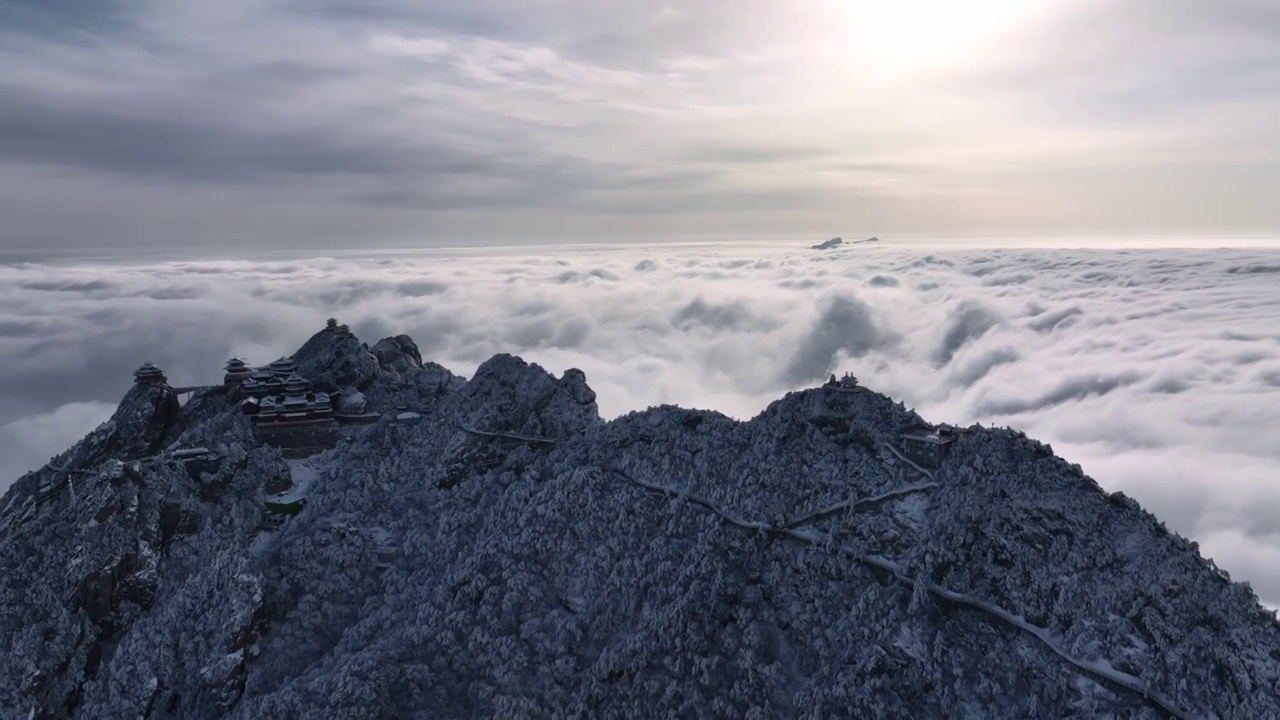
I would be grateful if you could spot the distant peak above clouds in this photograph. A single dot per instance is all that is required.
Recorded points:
(836, 242)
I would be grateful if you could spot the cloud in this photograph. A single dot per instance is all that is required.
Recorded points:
(844, 324)
(724, 316)
(968, 323)
(29, 442)
(1256, 269)
(1069, 389)
(410, 123)
(974, 368)
(1049, 321)
(1158, 371)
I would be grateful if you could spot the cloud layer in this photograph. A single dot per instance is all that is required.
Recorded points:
(1156, 370)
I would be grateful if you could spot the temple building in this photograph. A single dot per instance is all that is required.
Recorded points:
(928, 447)
(237, 372)
(384, 555)
(332, 326)
(848, 382)
(149, 374)
(283, 367)
(300, 408)
(295, 384)
(294, 403)
(261, 383)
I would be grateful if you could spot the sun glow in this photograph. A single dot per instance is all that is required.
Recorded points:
(903, 36)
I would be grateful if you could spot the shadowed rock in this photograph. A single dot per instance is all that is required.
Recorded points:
(397, 354)
(332, 361)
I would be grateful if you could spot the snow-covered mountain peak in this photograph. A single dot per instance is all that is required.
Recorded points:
(333, 359)
(492, 548)
(508, 394)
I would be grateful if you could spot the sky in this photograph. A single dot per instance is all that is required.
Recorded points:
(184, 181)
(1157, 370)
(237, 124)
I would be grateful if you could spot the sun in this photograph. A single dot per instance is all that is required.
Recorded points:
(903, 36)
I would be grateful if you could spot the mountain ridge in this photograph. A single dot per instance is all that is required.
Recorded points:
(515, 554)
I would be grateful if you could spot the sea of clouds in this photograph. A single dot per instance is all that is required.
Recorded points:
(1157, 370)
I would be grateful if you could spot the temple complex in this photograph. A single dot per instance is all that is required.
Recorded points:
(292, 416)
(283, 407)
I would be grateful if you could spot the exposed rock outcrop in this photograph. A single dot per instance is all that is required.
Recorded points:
(509, 395)
(397, 354)
(332, 361)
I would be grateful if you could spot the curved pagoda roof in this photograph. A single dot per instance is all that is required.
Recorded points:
(148, 373)
(295, 381)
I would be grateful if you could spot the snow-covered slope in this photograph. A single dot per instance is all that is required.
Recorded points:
(512, 555)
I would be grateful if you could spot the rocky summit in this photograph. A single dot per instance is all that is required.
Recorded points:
(492, 548)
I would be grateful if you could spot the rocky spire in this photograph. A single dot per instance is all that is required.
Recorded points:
(397, 354)
(332, 359)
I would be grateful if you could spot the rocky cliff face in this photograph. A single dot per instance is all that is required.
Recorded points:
(513, 555)
(397, 354)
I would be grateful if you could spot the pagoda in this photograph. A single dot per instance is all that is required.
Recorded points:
(283, 367)
(149, 374)
(295, 384)
(237, 372)
(261, 382)
(848, 382)
(332, 326)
